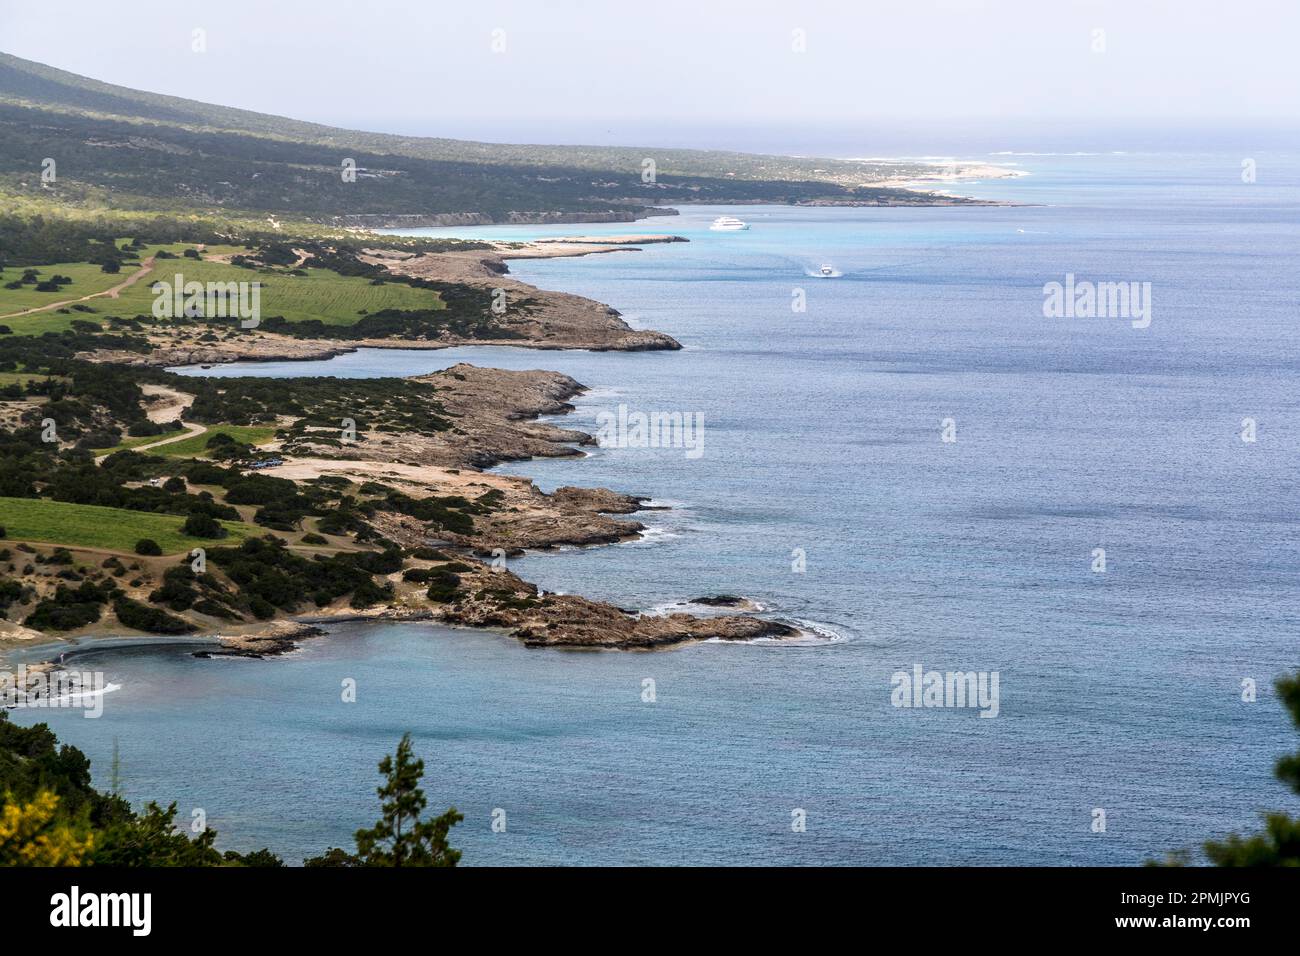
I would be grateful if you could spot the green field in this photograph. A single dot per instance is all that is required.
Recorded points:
(320, 294)
(22, 378)
(133, 441)
(113, 529)
(87, 279)
(197, 447)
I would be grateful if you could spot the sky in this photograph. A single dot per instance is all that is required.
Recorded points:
(691, 72)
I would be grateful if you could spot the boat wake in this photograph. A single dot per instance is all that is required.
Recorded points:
(73, 697)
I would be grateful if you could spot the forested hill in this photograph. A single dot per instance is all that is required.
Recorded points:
(127, 149)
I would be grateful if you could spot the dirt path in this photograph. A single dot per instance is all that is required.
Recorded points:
(146, 266)
(190, 431)
(170, 410)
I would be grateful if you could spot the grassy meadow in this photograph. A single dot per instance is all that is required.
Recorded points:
(320, 294)
(112, 529)
(197, 446)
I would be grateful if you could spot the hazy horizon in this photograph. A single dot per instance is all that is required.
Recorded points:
(855, 81)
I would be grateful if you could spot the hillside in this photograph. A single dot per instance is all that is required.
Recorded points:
(131, 150)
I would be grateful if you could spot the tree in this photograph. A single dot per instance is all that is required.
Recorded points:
(151, 838)
(400, 837)
(1279, 844)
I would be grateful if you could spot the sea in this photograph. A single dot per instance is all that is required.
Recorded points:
(907, 458)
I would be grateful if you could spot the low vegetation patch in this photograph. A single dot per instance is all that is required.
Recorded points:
(92, 526)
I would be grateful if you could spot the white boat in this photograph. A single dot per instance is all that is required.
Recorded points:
(827, 271)
(728, 224)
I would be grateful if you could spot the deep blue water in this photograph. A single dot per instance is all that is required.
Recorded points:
(822, 432)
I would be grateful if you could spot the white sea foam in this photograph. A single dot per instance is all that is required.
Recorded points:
(664, 503)
(811, 634)
(653, 535)
(703, 610)
(601, 392)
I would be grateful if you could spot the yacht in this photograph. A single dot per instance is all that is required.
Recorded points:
(827, 271)
(728, 224)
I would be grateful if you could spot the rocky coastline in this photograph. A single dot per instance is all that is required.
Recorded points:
(497, 419)
(545, 320)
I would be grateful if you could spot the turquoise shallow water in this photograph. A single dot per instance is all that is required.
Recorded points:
(822, 432)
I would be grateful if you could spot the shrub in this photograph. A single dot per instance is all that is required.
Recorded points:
(444, 586)
(427, 554)
(200, 525)
(203, 473)
(262, 609)
(142, 617)
(368, 593)
(147, 546)
(214, 609)
(177, 590)
(144, 428)
(376, 562)
(10, 591)
(70, 608)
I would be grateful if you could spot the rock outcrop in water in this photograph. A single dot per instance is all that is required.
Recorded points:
(567, 620)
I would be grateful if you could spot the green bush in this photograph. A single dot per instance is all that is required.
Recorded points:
(147, 546)
(154, 620)
(199, 525)
(70, 608)
(444, 586)
(10, 591)
(427, 554)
